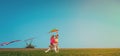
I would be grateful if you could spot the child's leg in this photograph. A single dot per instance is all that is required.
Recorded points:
(48, 50)
(55, 48)
(50, 47)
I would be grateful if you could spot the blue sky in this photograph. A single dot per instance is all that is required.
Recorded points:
(82, 24)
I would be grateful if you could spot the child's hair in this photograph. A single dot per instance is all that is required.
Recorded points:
(52, 36)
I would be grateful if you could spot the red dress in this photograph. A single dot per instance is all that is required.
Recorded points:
(52, 41)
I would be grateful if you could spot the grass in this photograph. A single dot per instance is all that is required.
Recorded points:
(63, 52)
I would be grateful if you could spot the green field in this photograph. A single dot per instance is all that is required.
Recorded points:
(63, 52)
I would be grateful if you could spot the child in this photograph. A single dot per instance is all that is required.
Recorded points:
(52, 44)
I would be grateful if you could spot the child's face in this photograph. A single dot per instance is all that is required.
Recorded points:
(56, 36)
